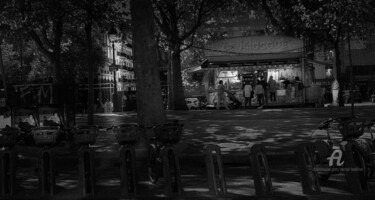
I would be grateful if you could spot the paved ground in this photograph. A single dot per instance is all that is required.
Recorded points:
(280, 129)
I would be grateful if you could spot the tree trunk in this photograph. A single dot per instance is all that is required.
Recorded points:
(90, 64)
(177, 88)
(338, 71)
(150, 108)
(57, 68)
(3, 75)
(169, 80)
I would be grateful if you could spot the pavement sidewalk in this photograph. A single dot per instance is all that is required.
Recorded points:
(234, 131)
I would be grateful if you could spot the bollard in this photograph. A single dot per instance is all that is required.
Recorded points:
(260, 170)
(86, 171)
(46, 181)
(216, 179)
(171, 171)
(351, 169)
(309, 177)
(85, 136)
(8, 173)
(127, 136)
(128, 176)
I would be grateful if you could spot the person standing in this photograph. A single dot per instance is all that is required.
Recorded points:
(272, 89)
(248, 90)
(124, 102)
(259, 92)
(299, 90)
(220, 94)
(265, 92)
(288, 90)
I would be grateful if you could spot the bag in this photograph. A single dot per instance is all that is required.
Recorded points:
(252, 94)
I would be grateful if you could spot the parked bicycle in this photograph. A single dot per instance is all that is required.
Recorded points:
(338, 131)
(161, 150)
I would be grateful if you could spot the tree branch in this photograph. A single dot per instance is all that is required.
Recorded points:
(45, 38)
(190, 44)
(269, 13)
(39, 44)
(197, 24)
(164, 22)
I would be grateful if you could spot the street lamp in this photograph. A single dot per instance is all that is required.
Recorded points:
(112, 35)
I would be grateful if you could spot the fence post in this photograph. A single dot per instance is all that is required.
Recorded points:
(8, 173)
(309, 177)
(260, 170)
(128, 171)
(351, 170)
(47, 181)
(216, 179)
(171, 171)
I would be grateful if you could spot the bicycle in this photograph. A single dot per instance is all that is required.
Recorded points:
(349, 129)
(160, 150)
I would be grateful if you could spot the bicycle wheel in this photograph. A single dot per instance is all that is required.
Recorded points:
(153, 164)
(129, 171)
(173, 171)
(360, 163)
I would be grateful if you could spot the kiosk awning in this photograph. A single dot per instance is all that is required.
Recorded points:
(256, 62)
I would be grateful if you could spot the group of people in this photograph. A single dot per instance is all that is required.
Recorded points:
(261, 91)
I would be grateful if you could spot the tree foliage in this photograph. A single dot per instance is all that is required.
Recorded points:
(57, 29)
(178, 22)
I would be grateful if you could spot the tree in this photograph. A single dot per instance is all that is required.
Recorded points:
(179, 21)
(336, 20)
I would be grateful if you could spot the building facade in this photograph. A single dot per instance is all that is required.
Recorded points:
(122, 75)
